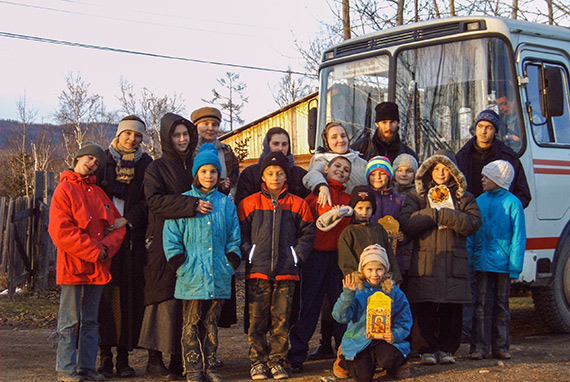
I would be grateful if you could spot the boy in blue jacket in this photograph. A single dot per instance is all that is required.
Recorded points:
(361, 355)
(496, 255)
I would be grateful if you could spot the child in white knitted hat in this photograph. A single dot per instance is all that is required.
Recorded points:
(496, 254)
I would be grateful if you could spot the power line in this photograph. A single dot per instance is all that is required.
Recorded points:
(155, 55)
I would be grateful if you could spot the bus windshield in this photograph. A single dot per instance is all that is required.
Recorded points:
(439, 90)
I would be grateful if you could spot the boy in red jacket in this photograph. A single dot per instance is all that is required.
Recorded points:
(81, 225)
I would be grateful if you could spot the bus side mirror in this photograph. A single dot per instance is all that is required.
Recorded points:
(312, 124)
(552, 92)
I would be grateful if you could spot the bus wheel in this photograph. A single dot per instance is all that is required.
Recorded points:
(553, 302)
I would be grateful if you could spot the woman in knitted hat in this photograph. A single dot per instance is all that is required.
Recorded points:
(203, 251)
(79, 219)
(440, 214)
(121, 309)
(335, 142)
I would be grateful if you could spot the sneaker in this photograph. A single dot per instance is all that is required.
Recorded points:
(428, 359)
(278, 372)
(91, 375)
(72, 377)
(322, 352)
(194, 376)
(338, 370)
(502, 355)
(445, 358)
(476, 356)
(258, 371)
(401, 372)
(212, 376)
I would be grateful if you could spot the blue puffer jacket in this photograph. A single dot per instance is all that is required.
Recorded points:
(350, 309)
(498, 246)
(204, 240)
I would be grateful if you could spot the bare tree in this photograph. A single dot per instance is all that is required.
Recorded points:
(22, 158)
(42, 152)
(231, 99)
(78, 109)
(150, 107)
(289, 89)
(241, 149)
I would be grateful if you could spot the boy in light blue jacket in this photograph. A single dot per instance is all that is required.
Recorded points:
(203, 251)
(496, 256)
(360, 355)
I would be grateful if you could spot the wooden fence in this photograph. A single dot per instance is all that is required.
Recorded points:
(28, 254)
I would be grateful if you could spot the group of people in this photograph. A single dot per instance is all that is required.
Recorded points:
(147, 250)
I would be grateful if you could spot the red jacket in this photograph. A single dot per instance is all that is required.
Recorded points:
(78, 215)
(328, 241)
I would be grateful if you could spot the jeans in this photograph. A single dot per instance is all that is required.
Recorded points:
(78, 308)
(491, 324)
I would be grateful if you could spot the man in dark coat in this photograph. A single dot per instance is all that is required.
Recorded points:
(386, 140)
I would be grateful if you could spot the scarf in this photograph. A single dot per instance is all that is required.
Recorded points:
(125, 169)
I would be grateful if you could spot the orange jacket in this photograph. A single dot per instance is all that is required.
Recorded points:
(78, 215)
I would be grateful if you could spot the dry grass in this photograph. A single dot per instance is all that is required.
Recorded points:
(30, 309)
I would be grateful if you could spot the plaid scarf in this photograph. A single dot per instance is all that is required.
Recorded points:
(126, 160)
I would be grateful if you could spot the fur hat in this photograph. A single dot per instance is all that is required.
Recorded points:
(275, 158)
(489, 116)
(131, 124)
(500, 172)
(447, 158)
(387, 111)
(208, 154)
(374, 252)
(90, 148)
(205, 112)
(363, 194)
(405, 160)
(379, 163)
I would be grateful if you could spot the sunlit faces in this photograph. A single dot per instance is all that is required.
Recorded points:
(208, 129)
(373, 272)
(387, 130)
(207, 177)
(130, 140)
(485, 133)
(337, 139)
(180, 138)
(404, 175)
(279, 142)
(363, 210)
(488, 184)
(440, 174)
(86, 165)
(379, 180)
(274, 178)
(339, 170)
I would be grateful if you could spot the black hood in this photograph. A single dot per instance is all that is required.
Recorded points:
(167, 124)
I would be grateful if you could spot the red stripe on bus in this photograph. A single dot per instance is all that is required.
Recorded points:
(555, 171)
(536, 243)
(549, 162)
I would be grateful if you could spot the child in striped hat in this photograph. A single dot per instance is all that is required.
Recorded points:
(379, 174)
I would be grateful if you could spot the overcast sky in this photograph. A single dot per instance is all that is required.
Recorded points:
(251, 33)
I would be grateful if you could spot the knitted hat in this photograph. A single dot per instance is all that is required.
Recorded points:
(131, 125)
(489, 116)
(374, 252)
(205, 112)
(332, 217)
(501, 172)
(208, 154)
(90, 148)
(361, 194)
(387, 111)
(405, 160)
(275, 158)
(379, 163)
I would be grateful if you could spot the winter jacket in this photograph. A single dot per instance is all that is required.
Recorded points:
(200, 245)
(439, 268)
(315, 176)
(328, 241)
(374, 146)
(165, 180)
(230, 163)
(387, 203)
(498, 246)
(276, 235)
(405, 248)
(471, 168)
(350, 309)
(78, 215)
(358, 236)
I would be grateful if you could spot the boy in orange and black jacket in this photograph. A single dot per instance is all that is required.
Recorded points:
(277, 236)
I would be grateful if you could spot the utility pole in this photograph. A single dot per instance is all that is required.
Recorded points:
(346, 19)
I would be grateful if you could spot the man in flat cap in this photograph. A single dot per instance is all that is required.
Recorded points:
(207, 120)
(386, 140)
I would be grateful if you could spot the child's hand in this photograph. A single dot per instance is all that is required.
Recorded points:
(349, 282)
(388, 338)
(225, 183)
(204, 207)
(400, 236)
(324, 196)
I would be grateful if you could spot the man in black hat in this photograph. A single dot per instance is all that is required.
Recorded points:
(386, 140)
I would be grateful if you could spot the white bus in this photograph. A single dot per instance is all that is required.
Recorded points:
(442, 73)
